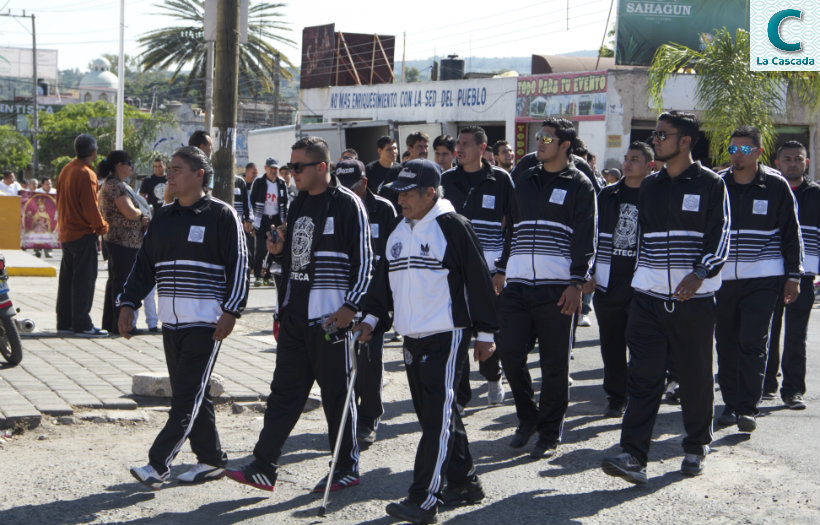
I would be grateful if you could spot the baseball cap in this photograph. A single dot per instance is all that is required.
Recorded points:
(272, 163)
(349, 172)
(417, 173)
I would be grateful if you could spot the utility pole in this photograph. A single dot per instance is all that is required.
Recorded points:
(209, 86)
(226, 92)
(118, 136)
(276, 92)
(36, 119)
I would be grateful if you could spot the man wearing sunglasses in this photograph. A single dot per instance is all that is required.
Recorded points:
(546, 260)
(683, 241)
(326, 259)
(766, 249)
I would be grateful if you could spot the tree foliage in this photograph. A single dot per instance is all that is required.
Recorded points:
(729, 93)
(15, 150)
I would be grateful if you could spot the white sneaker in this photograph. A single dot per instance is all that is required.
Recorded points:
(495, 392)
(584, 321)
(201, 472)
(149, 477)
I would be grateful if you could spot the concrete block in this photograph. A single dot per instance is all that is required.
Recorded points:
(152, 384)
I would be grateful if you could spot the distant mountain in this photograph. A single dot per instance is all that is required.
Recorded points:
(523, 65)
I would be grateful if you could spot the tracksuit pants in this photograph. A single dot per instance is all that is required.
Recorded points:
(190, 354)
(434, 365)
(490, 369)
(369, 377)
(75, 288)
(793, 364)
(527, 310)
(744, 317)
(613, 316)
(656, 331)
(302, 357)
(261, 248)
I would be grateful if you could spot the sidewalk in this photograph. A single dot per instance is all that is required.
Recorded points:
(60, 374)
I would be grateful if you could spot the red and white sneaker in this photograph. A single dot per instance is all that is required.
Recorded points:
(341, 480)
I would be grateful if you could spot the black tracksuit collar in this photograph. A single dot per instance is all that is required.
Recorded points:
(196, 207)
(689, 173)
(759, 180)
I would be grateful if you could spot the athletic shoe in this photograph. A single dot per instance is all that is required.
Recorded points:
(65, 332)
(153, 329)
(672, 393)
(495, 392)
(521, 437)
(149, 477)
(397, 338)
(584, 321)
(615, 409)
(625, 466)
(467, 493)
(267, 282)
(692, 465)
(253, 475)
(727, 418)
(406, 510)
(341, 480)
(768, 396)
(257, 282)
(366, 437)
(746, 423)
(544, 449)
(794, 401)
(92, 333)
(201, 472)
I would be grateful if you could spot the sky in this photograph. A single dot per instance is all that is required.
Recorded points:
(81, 30)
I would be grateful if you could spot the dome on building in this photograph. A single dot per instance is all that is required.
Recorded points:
(99, 77)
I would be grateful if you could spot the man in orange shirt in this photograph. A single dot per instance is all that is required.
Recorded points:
(80, 223)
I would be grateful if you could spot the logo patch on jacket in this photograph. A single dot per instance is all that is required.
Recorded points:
(488, 201)
(558, 196)
(328, 226)
(374, 230)
(760, 207)
(395, 251)
(196, 234)
(691, 202)
(425, 249)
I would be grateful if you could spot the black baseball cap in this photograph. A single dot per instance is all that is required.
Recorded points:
(272, 163)
(349, 172)
(417, 173)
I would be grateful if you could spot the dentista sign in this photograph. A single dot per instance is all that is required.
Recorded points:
(784, 36)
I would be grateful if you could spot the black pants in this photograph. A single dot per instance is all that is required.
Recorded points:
(120, 261)
(490, 369)
(794, 342)
(75, 289)
(656, 331)
(433, 365)
(527, 310)
(613, 315)
(250, 242)
(369, 376)
(190, 354)
(302, 357)
(744, 316)
(261, 249)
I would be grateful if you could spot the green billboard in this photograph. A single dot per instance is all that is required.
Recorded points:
(645, 26)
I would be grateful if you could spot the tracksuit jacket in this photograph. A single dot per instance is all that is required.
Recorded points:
(259, 192)
(807, 196)
(198, 260)
(382, 217)
(766, 239)
(684, 224)
(488, 206)
(241, 200)
(554, 234)
(608, 216)
(530, 161)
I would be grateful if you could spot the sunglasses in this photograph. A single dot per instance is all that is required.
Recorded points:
(662, 135)
(546, 138)
(745, 149)
(297, 167)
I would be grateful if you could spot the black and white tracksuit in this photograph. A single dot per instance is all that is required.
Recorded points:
(552, 247)
(244, 209)
(530, 161)
(684, 224)
(262, 223)
(485, 198)
(435, 281)
(766, 248)
(807, 196)
(370, 358)
(338, 255)
(197, 258)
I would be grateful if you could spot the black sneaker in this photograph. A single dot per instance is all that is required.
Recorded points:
(625, 466)
(366, 437)
(153, 329)
(727, 418)
(746, 423)
(692, 465)
(794, 401)
(254, 476)
(521, 437)
(615, 409)
(341, 480)
(467, 493)
(671, 394)
(544, 449)
(406, 510)
(768, 396)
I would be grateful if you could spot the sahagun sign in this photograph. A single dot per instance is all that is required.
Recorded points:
(645, 26)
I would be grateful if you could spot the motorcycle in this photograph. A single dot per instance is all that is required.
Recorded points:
(10, 344)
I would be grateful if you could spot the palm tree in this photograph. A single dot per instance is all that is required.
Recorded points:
(728, 92)
(178, 46)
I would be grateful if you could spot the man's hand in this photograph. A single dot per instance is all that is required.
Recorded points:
(570, 301)
(126, 321)
(499, 280)
(224, 326)
(367, 332)
(790, 292)
(483, 350)
(589, 286)
(276, 247)
(687, 287)
(247, 226)
(342, 318)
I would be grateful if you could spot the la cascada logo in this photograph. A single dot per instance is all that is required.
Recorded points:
(785, 36)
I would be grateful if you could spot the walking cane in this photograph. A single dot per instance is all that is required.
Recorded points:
(351, 382)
